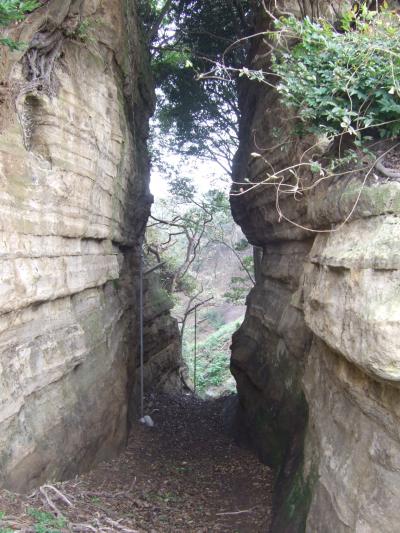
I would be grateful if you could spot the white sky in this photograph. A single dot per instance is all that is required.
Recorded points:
(206, 175)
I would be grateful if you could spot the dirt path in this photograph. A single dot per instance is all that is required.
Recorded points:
(183, 475)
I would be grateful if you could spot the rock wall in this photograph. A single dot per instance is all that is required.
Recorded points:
(74, 200)
(164, 368)
(317, 359)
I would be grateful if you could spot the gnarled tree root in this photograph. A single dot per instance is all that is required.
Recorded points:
(388, 172)
(43, 51)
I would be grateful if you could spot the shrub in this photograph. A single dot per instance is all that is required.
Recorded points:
(341, 80)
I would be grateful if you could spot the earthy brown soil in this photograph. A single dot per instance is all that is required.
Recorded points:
(183, 475)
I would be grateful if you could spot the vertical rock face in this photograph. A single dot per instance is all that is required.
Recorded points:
(317, 360)
(73, 204)
(164, 368)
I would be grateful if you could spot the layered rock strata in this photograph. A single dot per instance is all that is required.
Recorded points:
(74, 201)
(164, 368)
(317, 359)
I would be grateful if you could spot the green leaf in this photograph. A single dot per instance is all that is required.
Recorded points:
(339, 81)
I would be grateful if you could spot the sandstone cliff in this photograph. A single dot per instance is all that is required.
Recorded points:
(164, 368)
(317, 360)
(74, 201)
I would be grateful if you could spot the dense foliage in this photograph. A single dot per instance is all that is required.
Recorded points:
(342, 80)
(13, 11)
(198, 117)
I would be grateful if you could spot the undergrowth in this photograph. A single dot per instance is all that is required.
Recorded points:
(44, 522)
(213, 357)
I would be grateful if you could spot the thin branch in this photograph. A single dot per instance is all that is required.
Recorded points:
(156, 26)
(238, 257)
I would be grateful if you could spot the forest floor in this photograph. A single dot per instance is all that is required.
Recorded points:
(183, 475)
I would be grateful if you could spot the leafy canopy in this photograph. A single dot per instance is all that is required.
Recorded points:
(200, 116)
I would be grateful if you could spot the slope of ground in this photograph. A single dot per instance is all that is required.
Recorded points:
(213, 377)
(183, 475)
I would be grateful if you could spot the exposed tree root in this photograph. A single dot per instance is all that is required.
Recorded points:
(39, 60)
(388, 172)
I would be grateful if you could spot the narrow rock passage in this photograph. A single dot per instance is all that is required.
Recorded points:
(183, 475)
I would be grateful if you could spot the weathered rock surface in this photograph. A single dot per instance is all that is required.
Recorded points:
(164, 368)
(352, 296)
(74, 201)
(317, 359)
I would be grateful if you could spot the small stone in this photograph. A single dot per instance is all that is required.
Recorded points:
(147, 421)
